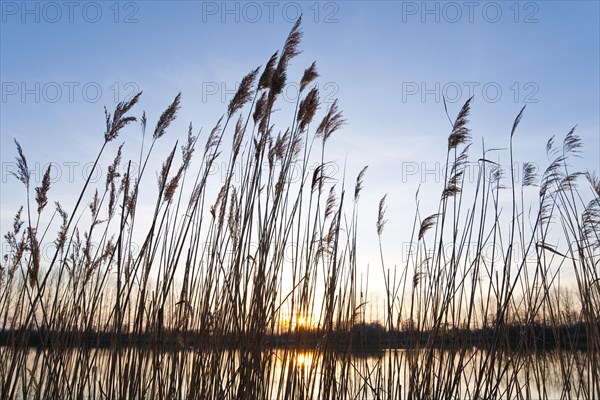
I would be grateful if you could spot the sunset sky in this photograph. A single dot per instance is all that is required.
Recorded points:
(390, 64)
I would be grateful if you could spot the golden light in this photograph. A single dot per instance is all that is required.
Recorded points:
(301, 322)
(303, 358)
(304, 322)
(300, 359)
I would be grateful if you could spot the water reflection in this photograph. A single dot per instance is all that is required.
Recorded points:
(304, 357)
(292, 374)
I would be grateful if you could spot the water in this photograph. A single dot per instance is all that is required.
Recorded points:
(295, 374)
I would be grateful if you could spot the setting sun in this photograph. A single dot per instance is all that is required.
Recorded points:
(300, 321)
(305, 322)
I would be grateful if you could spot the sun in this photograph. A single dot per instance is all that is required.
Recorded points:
(301, 322)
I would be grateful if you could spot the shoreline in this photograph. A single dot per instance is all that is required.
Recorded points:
(362, 338)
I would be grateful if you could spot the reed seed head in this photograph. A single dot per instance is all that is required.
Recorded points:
(22, 172)
(359, 183)
(243, 94)
(332, 121)
(460, 133)
(307, 109)
(265, 79)
(41, 193)
(381, 221)
(167, 117)
(117, 121)
(310, 74)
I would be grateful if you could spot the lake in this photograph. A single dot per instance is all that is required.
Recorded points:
(295, 374)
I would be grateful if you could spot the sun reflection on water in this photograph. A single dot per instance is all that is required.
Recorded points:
(304, 358)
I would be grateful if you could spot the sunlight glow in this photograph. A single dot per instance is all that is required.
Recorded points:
(304, 358)
(300, 321)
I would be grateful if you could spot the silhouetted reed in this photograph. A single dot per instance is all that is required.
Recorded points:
(254, 293)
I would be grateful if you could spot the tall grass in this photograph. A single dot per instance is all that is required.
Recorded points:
(477, 264)
(211, 306)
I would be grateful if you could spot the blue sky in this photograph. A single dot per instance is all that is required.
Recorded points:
(388, 62)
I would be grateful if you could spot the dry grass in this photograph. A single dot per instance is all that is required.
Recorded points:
(195, 312)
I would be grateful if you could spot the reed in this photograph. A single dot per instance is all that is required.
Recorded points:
(254, 293)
